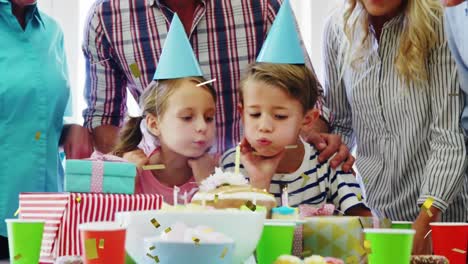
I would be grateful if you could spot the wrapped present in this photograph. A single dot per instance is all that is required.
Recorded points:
(100, 174)
(339, 236)
(63, 212)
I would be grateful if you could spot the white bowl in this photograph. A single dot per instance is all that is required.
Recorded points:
(244, 227)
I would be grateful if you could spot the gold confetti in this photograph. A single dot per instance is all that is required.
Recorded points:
(168, 230)
(305, 179)
(17, 212)
(155, 258)
(135, 70)
(359, 197)
(18, 256)
(251, 206)
(196, 240)
(151, 248)
(223, 254)
(154, 167)
(38, 135)
(78, 199)
(290, 147)
(90, 248)
(101, 243)
(155, 223)
(216, 198)
(427, 206)
(459, 250)
(367, 246)
(306, 253)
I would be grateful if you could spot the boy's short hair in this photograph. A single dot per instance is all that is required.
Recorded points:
(296, 80)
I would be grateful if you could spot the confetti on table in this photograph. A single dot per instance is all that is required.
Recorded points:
(151, 248)
(155, 223)
(251, 206)
(101, 243)
(78, 199)
(205, 83)
(290, 147)
(168, 230)
(154, 167)
(135, 70)
(427, 206)
(90, 248)
(18, 256)
(17, 212)
(38, 135)
(196, 240)
(459, 250)
(223, 254)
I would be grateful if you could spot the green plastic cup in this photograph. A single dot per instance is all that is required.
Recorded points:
(276, 240)
(402, 225)
(389, 246)
(24, 240)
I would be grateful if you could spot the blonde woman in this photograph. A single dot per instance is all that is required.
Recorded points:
(394, 90)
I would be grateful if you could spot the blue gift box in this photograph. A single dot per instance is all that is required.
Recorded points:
(118, 177)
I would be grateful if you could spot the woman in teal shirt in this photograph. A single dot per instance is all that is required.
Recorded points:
(34, 92)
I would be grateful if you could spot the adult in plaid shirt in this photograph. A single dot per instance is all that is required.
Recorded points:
(122, 44)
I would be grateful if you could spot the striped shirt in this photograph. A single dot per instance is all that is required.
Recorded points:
(312, 183)
(123, 41)
(408, 139)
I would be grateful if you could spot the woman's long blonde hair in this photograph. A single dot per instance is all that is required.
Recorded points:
(418, 38)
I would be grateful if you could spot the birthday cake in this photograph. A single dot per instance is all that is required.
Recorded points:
(229, 190)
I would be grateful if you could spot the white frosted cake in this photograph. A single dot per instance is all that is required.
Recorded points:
(228, 190)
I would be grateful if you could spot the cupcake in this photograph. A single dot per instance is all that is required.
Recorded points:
(288, 259)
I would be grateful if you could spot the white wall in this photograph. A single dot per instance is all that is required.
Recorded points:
(71, 14)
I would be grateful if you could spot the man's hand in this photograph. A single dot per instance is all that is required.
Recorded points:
(260, 169)
(77, 142)
(105, 138)
(137, 156)
(328, 145)
(421, 245)
(203, 166)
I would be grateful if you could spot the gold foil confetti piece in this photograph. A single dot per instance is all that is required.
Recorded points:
(135, 70)
(205, 83)
(156, 258)
(216, 198)
(168, 230)
(306, 253)
(38, 135)
(459, 250)
(78, 199)
(367, 246)
(251, 206)
(17, 257)
(359, 197)
(149, 255)
(223, 254)
(155, 223)
(17, 212)
(101, 243)
(196, 240)
(154, 167)
(305, 179)
(427, 206)
(90, 248)
(151, 248)
(290, 147)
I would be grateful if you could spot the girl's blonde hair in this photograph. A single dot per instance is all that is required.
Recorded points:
(418, 38)
(296, 80)
(154, 100)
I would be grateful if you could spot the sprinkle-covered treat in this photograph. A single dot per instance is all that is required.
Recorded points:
(429, 259)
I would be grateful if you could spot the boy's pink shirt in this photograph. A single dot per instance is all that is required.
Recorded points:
(146, 183)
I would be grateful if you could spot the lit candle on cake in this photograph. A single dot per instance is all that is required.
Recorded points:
(285, 197)
(237, 161)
